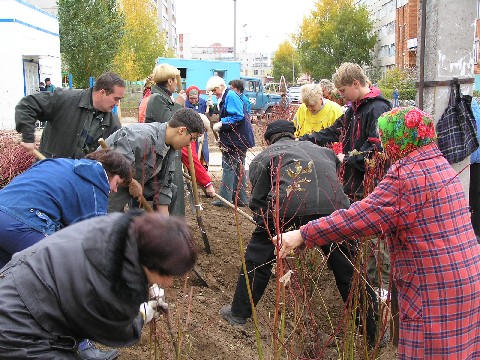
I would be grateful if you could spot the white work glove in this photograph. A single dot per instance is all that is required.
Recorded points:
(209, 102)
(341, 157)
(156, 293)
(149, 311)
(217, 126)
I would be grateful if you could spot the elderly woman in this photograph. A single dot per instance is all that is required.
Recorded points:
(330, 92)
(195, 102)
(421, 210)
(55, 193)
(315, 113)
(90, 279)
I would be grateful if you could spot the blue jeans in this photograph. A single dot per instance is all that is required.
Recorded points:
(14, 237)
(232, 163)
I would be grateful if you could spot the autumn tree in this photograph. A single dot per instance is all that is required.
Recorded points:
(401, 79)
(336, 31)
(285, 62)
(143, 43)
(90, 35)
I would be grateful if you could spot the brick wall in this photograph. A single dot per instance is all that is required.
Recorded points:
(406, 24)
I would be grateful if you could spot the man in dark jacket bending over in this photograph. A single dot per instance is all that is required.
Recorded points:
(308, 186)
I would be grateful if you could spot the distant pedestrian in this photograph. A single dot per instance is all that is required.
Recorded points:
(48, 85)
(42, 86)
(396, 98)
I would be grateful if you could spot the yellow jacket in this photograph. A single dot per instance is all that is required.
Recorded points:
(306, 123)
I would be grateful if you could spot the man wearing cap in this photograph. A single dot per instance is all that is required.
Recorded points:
(309, 188)
(48, 85)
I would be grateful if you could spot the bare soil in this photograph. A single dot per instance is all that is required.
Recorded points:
(194, 308)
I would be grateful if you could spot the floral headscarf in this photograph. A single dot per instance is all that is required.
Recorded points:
(405, 129)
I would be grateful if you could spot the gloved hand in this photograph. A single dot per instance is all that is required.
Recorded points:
(341, 156)
(149, 311)
(209, 102)
(156, 293)
(217, 126)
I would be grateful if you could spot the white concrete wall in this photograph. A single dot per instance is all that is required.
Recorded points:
(26, 33)
(450, 31)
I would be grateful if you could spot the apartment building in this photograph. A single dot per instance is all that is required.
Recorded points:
(167, 17)
(406, 33)
(383, 13)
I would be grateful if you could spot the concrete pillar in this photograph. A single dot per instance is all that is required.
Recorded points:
(450, 32)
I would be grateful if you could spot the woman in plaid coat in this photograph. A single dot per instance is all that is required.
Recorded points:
(421, 210)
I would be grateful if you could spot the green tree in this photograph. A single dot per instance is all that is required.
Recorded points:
(401, 79)
(142, 43)
(336, 31)
(285, 61)
(90, 36)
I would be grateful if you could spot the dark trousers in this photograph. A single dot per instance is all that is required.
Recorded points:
(15, 236)
(474, 198)
(259, 258)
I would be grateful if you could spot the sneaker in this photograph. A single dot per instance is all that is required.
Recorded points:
(90, 352)
(226, 312)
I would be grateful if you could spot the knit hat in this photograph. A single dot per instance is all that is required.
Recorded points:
(405, 129)
(192, 90)
(279, 126)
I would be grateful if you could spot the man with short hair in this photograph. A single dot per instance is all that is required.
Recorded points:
(75, 119)
(151, 147)
(308, 187)
(49, 86)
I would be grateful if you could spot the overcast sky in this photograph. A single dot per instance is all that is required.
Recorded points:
(268, 22)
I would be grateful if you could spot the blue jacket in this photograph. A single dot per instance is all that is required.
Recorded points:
(236, 131)
(200, 108)
(54, 193)
(475, 158)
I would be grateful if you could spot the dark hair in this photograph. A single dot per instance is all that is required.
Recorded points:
(165, 244)
(107, 81)
(113, 162)
(237, 84)
(188, 118)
